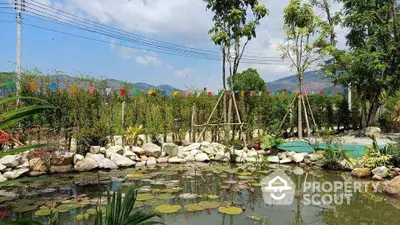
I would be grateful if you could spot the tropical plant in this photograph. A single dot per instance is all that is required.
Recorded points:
(131, 135)
(375, 156)
(334, 153)
(271, 142)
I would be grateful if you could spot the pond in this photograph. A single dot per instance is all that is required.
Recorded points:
(236, 185)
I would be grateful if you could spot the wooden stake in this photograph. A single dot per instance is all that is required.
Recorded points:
(312, 114)
(238, 117)
(288, 111)
(305, 114)
(192, 125)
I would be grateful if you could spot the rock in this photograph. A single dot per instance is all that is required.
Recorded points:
(191, 147)
(176, 160)
(103, 150)
(252, 153)
(282, 155)
(250, 160)
(314, 157)
(397, 170)
(24, 163)
(61, 169)
(2, 178)
(77, 158)
(94, 149)
(307, 161)
(208, 150)
(189, 158)
(151, 161)
(298, 171)
(376, 177)
(15, 173)
(239, 159)
(392, 187)
(202, 157)
(361, 172)
(346, 165)
(273, 159)
(137, 150)
(205, 144)
(106, 163)
(372, 131)
(297, 157)
(162, 160)
(37, 164)
(194, 152)
(152, 149)
(114, 150)
(11, 161)
(121, 161)
(218, 147)
(2, 168)
(86, 164)
(118, 140)
(63, 158)
(140, 164)
(36, 173)
(170, 149)
(219, 156)
(143, 158)
(285, 160)
(128, 153)
(381, 171)
(290, 154)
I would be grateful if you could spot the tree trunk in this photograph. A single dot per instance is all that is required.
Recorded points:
(299, 111)
(373, 109)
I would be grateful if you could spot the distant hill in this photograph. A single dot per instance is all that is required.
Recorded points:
(112, 83)
(312, 82)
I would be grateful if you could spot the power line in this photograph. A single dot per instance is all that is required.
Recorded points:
(31, 4)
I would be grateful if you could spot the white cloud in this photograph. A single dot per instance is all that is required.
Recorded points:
(149, 60)
(141, 60)
(183, 72)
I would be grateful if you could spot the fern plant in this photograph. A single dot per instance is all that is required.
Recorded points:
(131, 135)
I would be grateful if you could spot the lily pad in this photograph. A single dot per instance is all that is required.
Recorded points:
(166, 208)
(67, 207)
(209, 205)
(165, 196)
(144, 197)
(256, 217)
(91, 211)
(188, 196)
(230, 182)
(172, 190)
(230, 210)
(193, 207)
(213, 196)
(138, 204)
(24, 208)
(135, 176)
(82, 217)
(154, 202)
(43, 212)
(256, 184)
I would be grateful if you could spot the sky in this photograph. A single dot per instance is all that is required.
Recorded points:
(182, 22)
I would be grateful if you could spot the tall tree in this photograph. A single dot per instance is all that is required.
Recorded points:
(249, 80)
(371, 65)
(305, 43)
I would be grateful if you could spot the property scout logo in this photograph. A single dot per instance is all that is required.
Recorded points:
(278, 189)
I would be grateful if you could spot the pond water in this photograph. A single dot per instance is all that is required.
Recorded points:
(227, 185)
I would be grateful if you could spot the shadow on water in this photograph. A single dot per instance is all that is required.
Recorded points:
(229, 184)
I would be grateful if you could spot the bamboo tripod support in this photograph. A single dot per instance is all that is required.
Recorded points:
(240, 123)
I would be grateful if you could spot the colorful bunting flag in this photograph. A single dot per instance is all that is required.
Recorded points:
(123, 91)
(136, 92)
(91, 90)
(74, 89)
(175, 93)
(210, 94)
(321, 92)
(164, 93)
(198, 94)
(53, 87)
(150, 91)
(10, 85)
(219, 93)
(32, 86)
(251, 93)
(187, 93)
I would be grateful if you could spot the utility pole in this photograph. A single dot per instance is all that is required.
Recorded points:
(19, 32)
(349, 96)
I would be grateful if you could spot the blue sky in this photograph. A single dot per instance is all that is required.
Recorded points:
(183, 22)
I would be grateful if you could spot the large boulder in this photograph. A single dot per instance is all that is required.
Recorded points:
(273, 159)
(189, 158)
(346, 165)
(392, 187)
(62, 158)
(252, 153)
(218, 147)
(94, 149)
(361, 172)
(2, 167)
(372, 131)
(2, 178)
(122, 161)
(162, 160)
(152, 149)
(219, 156)
(191, 147)
(118, 140)
(37, 164)
(137, 150)
(86, 164)
(170, 149)
(202, 157)
(297, 157)
(208, 150)
(129, 154)
(104, 163)
(381, 171)
(11, 161)
(176, 160)
(78, 157)
(285, 160)
(140, 164)
(151, 161)
(114, 149)
(13, 174)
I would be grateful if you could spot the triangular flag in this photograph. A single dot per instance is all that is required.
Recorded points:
(32, 86)
(164, 93)
(198, 94)
(74, 88)
(187, 93)
(251, 93)
(175, 93)
(136, 92)
(321, 92)
(91, 90)
(210, 94)
(123, 91)
(219, 93)
(108, 91)
(10, 85)
(290, 92)
(53, 87)
(150, 91)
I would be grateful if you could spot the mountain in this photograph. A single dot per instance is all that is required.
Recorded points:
(112, 83)
(313, 81)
